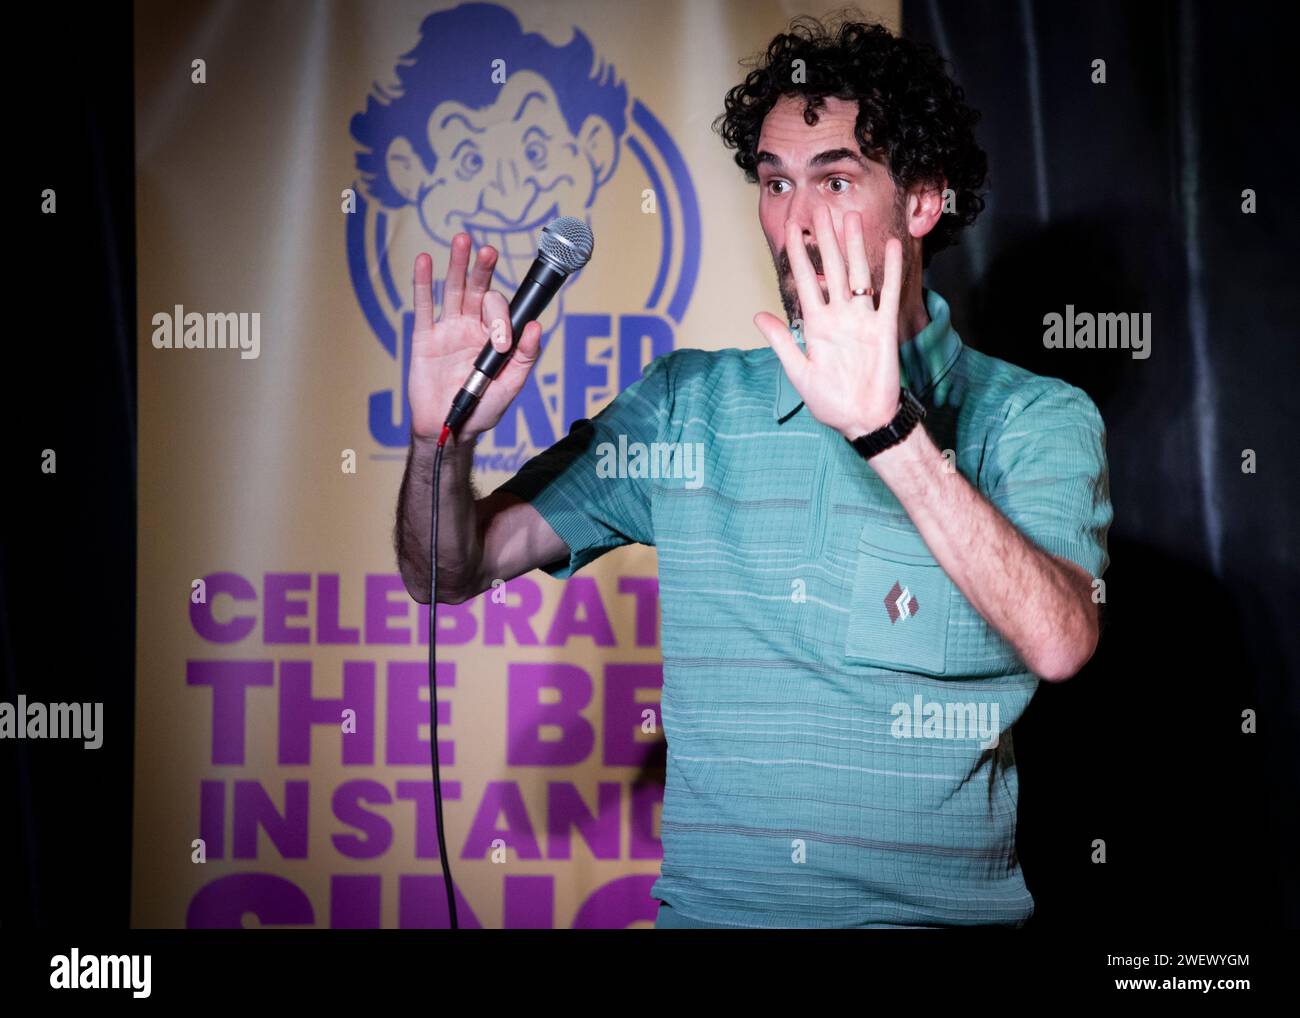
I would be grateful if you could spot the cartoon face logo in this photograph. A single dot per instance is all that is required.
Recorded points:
(508, 170)
(497, 132)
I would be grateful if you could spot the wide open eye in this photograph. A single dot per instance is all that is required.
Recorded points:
(535, 153)
(470, 163)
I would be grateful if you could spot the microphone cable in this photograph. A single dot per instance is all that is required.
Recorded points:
(565, 247)
(433, 675)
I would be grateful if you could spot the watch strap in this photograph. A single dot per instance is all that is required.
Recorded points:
(909, 414)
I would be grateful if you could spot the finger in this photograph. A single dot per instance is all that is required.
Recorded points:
(837, 285)
(805, 279)
(496, 316)
(496, 319)
(856, 244)
(892, 286)
(454, 289)
(525, 355)
(529, 347)
(787, 350)
(423, 283)
(480, 278)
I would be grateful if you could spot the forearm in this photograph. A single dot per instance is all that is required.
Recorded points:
(460, 547)
(1037, 602)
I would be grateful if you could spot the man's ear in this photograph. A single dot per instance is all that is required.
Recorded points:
(597, 140)
(404, 168)
(925, 207)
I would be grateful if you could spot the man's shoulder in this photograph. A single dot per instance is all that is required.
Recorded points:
(690, 370)
(1004, 390)
(688, 361)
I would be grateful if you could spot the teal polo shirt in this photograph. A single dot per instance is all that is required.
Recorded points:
(838, 716)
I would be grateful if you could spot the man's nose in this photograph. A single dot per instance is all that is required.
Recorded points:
(503, 193)
(801, 211)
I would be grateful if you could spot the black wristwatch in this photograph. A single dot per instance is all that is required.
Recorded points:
(909, 415)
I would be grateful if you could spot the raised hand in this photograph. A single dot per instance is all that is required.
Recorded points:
(443, 352)
(848, 378)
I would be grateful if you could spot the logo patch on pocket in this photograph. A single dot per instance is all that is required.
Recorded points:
(900, 604)
(896, 572)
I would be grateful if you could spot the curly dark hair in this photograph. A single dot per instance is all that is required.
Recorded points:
(911, 115)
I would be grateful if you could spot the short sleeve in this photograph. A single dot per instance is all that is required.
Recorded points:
(1048, 476)
(576, 486)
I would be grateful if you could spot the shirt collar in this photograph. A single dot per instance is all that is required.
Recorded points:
(922, 361)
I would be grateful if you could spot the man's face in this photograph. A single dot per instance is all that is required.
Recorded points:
(801, 167)
(507, 170)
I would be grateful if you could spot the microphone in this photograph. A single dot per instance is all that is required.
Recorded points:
(566, 246)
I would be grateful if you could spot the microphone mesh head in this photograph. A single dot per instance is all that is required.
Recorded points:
(567, 243)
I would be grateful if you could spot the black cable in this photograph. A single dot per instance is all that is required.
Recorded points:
(433, 677)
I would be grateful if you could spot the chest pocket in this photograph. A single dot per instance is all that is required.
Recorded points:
(901, 603)
(908, 615)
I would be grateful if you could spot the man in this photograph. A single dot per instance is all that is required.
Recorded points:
(894, 540)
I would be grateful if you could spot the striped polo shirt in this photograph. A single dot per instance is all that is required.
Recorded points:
(838, 716)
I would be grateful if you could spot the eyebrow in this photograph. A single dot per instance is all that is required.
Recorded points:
(462, 118)
(531, 95)
(833, 155)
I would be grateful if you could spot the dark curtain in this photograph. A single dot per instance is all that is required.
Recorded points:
(1127, 197)
(67, 574)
